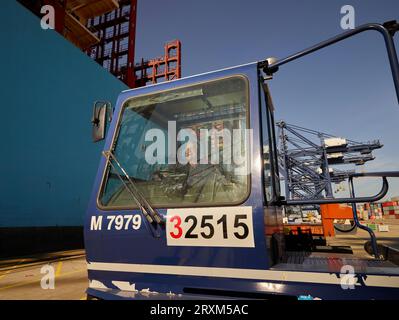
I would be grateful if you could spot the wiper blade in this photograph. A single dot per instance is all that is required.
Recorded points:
(148, 211)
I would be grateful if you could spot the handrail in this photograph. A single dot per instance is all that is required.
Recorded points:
(378, 196)
(353, 200)
(384, 175)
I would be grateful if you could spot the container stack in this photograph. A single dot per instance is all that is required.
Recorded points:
(376, 210)
(391, 210)
(367, 211)
(362, 212)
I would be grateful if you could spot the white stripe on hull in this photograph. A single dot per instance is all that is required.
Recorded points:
(254, 274)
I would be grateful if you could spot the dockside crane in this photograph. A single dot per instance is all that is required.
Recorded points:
(308, 160)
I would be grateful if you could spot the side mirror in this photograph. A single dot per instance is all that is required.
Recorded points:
(99, 119)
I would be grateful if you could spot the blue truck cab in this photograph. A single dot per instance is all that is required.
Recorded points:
(186, 203)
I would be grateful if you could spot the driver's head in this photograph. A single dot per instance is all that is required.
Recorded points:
(190, 153)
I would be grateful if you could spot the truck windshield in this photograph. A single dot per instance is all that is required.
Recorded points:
(183, 147)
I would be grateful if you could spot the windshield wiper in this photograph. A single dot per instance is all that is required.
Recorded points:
(149, 213)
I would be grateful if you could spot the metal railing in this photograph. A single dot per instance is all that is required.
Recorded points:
(353, 200)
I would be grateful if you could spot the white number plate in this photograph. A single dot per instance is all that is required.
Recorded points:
(210, 227)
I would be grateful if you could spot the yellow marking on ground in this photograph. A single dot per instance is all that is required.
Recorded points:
(59, 267)
(36, 280)
(83, 298)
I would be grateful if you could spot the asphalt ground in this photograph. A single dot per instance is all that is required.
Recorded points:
(31, 277)
(52, 276)
(357, 239)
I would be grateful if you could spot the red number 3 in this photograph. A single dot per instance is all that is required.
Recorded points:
(177, 227)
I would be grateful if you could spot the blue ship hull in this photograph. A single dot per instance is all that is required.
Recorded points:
(48, 162)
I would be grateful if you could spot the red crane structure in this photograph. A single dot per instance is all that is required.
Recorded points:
(106, 31)
(116, 49)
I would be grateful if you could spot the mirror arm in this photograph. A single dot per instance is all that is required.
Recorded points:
(388, 30)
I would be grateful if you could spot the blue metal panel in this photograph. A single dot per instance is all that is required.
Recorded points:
(241, 287)
(48, 86)
(140, 246)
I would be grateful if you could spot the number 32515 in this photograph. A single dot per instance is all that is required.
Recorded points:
(221, 227)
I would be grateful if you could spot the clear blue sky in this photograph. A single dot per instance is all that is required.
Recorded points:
(345, 90)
